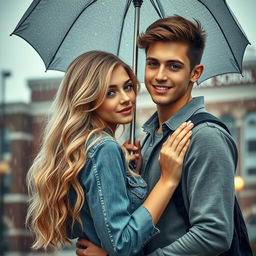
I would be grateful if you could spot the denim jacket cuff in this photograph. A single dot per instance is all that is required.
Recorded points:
(146, 221)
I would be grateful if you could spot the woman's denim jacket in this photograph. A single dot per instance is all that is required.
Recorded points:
(112, 215)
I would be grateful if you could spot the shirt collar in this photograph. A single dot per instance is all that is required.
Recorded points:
(151, 124)
(181, 116)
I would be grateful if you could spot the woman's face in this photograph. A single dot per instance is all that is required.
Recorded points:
(117, 108)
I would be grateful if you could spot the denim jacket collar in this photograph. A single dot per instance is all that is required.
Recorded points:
(108, 132)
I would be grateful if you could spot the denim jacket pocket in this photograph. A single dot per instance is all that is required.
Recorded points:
(137, 190)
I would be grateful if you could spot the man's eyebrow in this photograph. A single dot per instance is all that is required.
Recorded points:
(167, 61)
(175, 61)
(113, 86)
(151, 58)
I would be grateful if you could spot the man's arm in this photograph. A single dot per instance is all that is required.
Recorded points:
(208, 185)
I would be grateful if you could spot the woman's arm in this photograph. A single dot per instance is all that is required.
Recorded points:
(171, 159)
(119, 231)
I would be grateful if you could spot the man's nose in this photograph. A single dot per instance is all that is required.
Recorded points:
(161, 74)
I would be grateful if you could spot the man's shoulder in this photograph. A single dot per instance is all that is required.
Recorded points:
(209, 128)
(211, 136)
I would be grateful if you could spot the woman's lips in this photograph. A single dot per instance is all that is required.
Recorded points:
(126, 111)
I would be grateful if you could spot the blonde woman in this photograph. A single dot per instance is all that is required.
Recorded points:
(80, 184)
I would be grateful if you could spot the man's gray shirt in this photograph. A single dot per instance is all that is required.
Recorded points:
(207, 187)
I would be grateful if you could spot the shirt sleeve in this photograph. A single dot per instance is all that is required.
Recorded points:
(120, 232)
(208, 191)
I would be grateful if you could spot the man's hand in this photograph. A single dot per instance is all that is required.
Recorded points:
(87, 248)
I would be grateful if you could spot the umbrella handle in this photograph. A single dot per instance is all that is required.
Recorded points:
(137, 5)
(132, 128)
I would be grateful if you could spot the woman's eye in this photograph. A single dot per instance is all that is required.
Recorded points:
(110, 93)
(128, 87)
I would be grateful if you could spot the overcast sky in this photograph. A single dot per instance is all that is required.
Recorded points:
(24, 63)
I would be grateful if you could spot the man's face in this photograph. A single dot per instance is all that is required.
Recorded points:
(168, 77)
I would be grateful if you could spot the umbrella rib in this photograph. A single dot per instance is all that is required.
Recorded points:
(237, 64)
(161, 9)
(26, 16)
(156, 9)
(241, 30)
(122, 26)
(88, 5)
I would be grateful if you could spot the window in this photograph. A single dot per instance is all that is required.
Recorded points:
(4, 242)
(251, 171)
(251, 146)
(5, 150)
(6, 142)
(251, 227)
(7, 182)
(252, 220)
(252, 122)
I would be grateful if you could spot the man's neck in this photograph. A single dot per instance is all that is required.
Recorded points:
(165, 112)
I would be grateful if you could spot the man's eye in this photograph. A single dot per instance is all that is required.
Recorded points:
(152, 64)
(174, 67)
(128, 87)
(110, 93)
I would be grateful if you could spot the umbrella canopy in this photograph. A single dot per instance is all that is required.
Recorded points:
(61, 30)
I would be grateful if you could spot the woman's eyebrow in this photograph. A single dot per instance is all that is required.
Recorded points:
(113, 86)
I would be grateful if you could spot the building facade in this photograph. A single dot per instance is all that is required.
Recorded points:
(230, 97)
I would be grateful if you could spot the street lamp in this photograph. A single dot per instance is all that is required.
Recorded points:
(4, 167)
(239, 183)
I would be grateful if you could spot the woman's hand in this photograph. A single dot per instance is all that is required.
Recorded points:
(171, 159)
(87, 248)
(172, 153)
(136, 157)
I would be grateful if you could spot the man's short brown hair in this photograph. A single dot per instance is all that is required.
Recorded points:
(176, 29)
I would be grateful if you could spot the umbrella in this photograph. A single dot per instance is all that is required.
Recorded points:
(61, 30)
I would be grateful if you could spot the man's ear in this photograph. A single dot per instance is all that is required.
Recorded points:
(196, 72)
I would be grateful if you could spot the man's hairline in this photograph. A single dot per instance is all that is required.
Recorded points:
(172, 41)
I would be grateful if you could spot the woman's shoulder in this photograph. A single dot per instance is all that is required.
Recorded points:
(103, 142)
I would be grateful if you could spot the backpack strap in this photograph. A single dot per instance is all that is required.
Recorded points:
(207, 117)
(177, 196)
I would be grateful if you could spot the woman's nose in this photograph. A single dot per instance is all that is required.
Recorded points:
(125, 98)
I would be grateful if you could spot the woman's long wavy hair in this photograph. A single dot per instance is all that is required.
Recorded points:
(62, 155)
